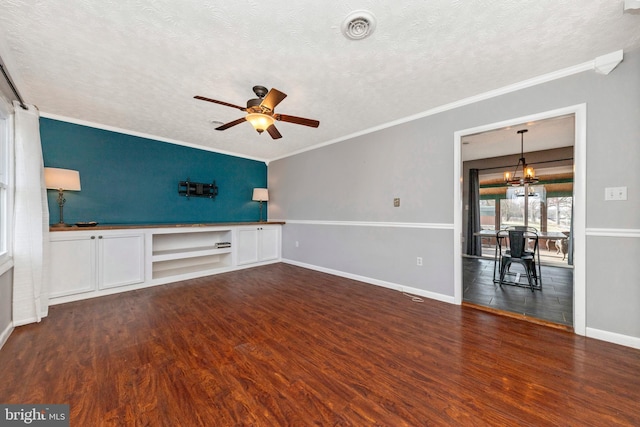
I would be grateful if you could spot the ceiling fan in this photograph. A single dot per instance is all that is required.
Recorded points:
(260, 112)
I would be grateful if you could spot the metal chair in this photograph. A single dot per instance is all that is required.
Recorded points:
(531, 233)
(527, 229)
(517, 252)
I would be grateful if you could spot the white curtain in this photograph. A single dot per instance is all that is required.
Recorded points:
(31, 222)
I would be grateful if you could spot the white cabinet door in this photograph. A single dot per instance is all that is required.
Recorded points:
(259, 243)
(73, 264)
(269, 243)
(247, 245)
(121, 260)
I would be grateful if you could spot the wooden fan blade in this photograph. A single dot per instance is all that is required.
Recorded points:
(273, 98)
(230, 124)
(202, 98)
(274, 132)
(297, 120)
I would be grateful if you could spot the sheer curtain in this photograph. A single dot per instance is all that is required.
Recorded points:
(31, 222)
(474, 243)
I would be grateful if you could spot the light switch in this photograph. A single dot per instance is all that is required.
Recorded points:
(396, 202)
(615, 193)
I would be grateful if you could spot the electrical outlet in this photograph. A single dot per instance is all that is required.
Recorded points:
(396, 202)
(297, 244)
(419, 261)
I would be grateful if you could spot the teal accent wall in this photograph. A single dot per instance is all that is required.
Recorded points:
(131, 180)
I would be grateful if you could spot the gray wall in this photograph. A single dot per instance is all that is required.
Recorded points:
(356, 181)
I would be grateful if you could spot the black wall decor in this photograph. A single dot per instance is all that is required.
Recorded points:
(197, 189)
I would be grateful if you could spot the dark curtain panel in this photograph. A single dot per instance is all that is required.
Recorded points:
(474, 243)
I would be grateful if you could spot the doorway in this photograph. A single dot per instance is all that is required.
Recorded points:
(554, 217)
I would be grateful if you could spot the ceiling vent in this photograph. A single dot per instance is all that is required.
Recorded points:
(358, 25)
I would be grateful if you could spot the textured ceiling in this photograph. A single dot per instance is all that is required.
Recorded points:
(136, 65)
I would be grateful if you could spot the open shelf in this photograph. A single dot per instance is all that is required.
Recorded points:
(188, 252)
(177, 267)
(193, 239)
(188, 270)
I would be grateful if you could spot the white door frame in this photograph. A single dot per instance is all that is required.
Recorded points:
(579, 204)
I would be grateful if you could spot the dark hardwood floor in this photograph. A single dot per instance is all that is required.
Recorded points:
(553, 303)
(282, 345)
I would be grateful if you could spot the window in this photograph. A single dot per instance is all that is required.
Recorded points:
(512, 212)
(559, 213)
(549, 209)
(488, 214)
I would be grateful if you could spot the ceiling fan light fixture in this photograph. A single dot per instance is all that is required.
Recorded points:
(260, 112)
(259, 121)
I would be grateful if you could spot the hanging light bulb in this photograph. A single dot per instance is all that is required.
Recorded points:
(529, 173)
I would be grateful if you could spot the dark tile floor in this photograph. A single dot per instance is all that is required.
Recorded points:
(554, 303)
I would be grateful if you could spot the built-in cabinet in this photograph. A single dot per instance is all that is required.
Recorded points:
(90, 263)
(258, 244)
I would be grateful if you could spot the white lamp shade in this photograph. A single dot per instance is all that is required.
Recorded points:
(62, 179)
(260, 195)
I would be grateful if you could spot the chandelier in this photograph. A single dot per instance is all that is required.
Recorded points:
(528, 174)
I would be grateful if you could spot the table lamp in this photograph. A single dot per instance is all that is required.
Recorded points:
(61, 180)
(260, 195)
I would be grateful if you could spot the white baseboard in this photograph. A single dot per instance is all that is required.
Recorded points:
(382, 283)
(613, 337)
(5, 334)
